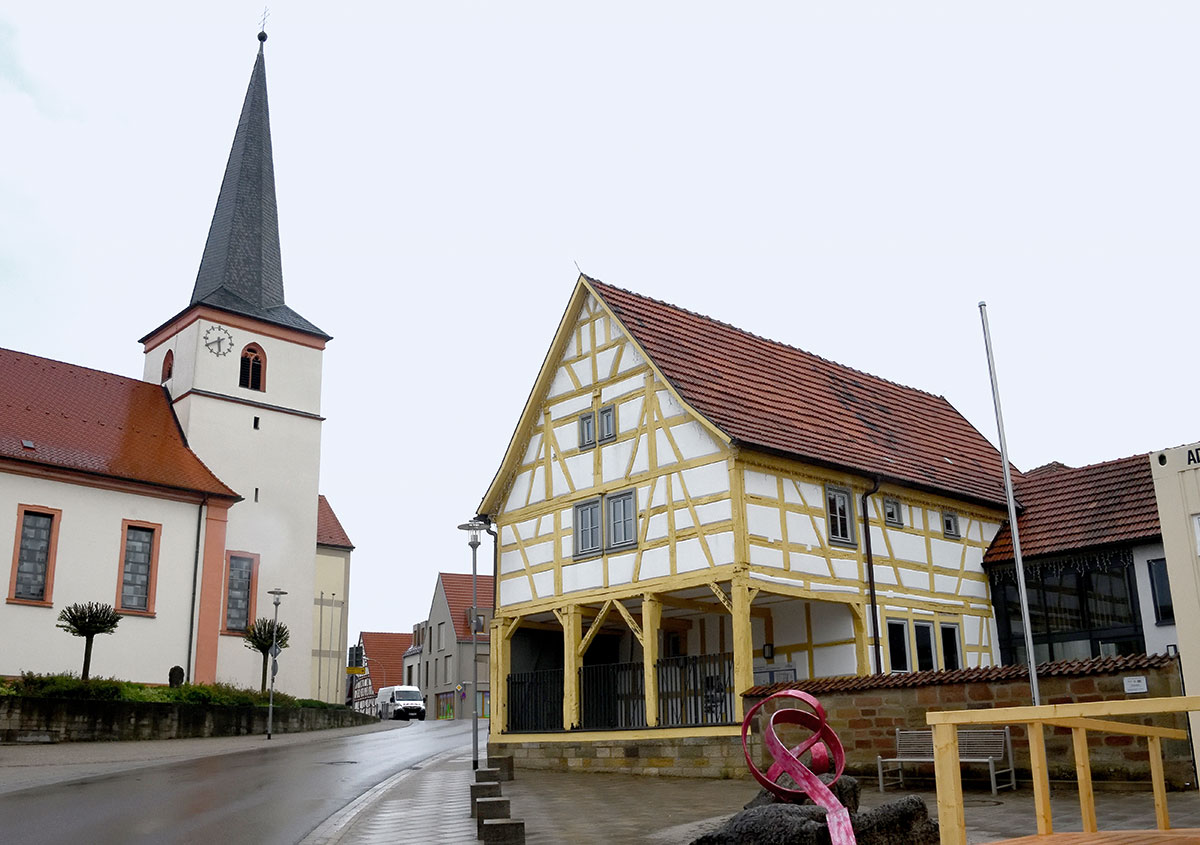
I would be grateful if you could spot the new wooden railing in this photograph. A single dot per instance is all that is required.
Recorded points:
(1080, 718)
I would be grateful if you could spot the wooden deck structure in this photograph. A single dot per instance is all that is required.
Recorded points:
(1191, 836)
(1080, 718)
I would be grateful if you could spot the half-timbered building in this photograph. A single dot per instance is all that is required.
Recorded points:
(686, 509)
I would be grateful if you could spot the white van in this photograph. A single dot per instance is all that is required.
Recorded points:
(400, 703)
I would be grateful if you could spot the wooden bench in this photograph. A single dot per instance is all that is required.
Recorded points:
(991, 746)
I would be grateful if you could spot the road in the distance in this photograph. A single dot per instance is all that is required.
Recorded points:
(270, 795)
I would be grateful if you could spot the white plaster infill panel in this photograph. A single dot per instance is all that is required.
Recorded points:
(539, 553)
(620, 569)
(630, 359)
(665, 452)
(619, 388)
(543, 583)
(570, 407)
(562, 383)
(511, 562)
(905, 546)
(766, 556)
(580, 467)
(657, 529)
(604, 362)
(763, 522)
(629, 415)
(614, 458)
(831, 661)
(800, 530)
(689, 556)
(706, 480)
(520, 490)
(533, 449)
(945, 584)
(810, 564)
(761, 484)
(973, 589)
(914, 579)
(694, 441)
(656, 563)
(846, 570)
(514, 591)
(667, 404)
(711, 512)
(946, 553)
(584, 575)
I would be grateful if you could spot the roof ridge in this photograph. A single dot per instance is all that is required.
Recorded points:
(77, 366)
(765, 339)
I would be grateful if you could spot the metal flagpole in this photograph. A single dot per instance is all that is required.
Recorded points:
(1012, 512)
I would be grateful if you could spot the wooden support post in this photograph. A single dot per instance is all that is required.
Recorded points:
(1083, 774)
(572, 622)
(862, 650)
(651, 619)
(743, 642)
(1041, 777)
(951, 819)
(1160, 784)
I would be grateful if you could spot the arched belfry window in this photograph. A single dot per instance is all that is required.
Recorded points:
(168, 366)
(254, 368)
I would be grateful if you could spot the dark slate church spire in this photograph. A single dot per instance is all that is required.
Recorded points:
(241, 270)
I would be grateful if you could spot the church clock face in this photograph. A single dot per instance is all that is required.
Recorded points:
(218, 340)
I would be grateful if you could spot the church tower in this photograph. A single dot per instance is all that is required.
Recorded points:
(243, 371)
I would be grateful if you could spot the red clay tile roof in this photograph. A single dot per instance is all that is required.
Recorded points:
(775, 397)
(385, 657)
(329, 529)
(95, 422)
(458, 596)
(1069, 509)
(853, 683)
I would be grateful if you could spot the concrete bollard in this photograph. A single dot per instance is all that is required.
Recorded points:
(504, 832)
(490, 808)
(487, 775)
(505, 766)
(483, 790)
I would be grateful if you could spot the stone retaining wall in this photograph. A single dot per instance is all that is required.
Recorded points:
(702, 756)
(866, 719)
(68, 720)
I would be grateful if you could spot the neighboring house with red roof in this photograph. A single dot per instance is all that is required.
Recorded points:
(383, 657)
(185, 497)
(680, 514)
(1095, 569)
(439, 657)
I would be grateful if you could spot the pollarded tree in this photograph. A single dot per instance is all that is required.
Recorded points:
(259, 637)
(87, 619)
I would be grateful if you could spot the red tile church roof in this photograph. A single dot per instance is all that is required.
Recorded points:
(93, 422)
(767, 395)
(329, 528)
(1074, 508)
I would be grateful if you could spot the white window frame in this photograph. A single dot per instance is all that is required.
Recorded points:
(903, 637)
(926, 627)
(589, 550)
(951, 629)
(850, 538)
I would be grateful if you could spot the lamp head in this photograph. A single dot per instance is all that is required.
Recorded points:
(473, 527)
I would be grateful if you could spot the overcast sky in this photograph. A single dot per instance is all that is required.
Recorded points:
(848, 178)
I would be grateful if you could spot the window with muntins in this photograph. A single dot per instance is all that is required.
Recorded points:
(841, 515)
(33, 577)
(607, 424)
(622, 519)
(892, 514)
(254, 366)
(587, 527)
(137, 569)
(950, 524)
(587, 430)
(1160, 589)
(239, 593)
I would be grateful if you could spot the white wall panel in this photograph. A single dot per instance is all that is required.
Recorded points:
(655, 563)
(910, 547)
(511, 561)
(800, 530)
(514, 591)
(946, 553)
(766, 556)
(763, 522)
(543, 583)
(620, 569)
(689, 556)
(706, 480)
(761, 484)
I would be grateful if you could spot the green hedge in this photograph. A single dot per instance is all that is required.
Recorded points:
(31, 685)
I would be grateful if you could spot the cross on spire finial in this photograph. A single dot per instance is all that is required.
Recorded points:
(262, 24)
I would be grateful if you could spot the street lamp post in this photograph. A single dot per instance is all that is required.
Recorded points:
(274, 654)
(473, 528)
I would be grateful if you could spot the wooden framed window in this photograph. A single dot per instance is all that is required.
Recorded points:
(950, 524)
(840, 506)
(138, 567)
(951, 652)
(253, 374)
(241, 585)
(897, 634)
(587, 528)
(926, 653)
(621, 514)
(607, 424)
(168, 367)
(892, 513)
(587, 430)
(1160, 590)
(34, 550)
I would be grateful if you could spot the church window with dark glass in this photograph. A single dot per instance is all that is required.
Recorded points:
(1160, 587)
(254, 366)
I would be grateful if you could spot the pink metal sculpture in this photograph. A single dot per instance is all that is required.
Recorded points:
(823, 747)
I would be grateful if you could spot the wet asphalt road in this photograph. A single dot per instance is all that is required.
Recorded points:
(269, 795)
